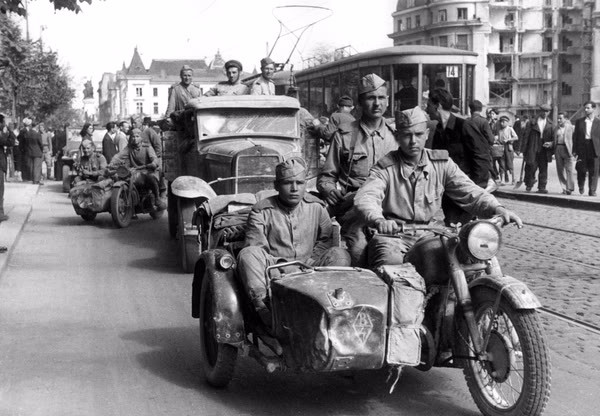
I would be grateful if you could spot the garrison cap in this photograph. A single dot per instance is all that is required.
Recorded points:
(369, 83)
(345, 101)
(545, 107)
(266, 61)
(233, 62)
(185, 68)
(410, 117)
(505, 118)
(290, 168)
(27, 121)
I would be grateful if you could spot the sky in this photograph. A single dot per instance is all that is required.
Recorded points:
(105, 34)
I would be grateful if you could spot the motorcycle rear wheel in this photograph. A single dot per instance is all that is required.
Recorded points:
(121, 207)
(218, 359)
(516, 380)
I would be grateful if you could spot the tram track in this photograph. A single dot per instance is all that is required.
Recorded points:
(561, 230)
(550, 256)
(569, 319)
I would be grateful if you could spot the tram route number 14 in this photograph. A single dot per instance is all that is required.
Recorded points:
(451, 71)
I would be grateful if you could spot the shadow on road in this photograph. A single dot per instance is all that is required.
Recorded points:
(176, 358)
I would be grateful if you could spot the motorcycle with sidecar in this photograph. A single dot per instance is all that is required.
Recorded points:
(127, 198)
(450, 305)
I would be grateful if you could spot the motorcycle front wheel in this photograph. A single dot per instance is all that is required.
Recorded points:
(515, 380)
(121, 207)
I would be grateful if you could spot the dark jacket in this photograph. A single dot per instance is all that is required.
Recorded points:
(478, 138)
(109, 148)
(579, 137)
(451, 139)
(31, 141)
(6, 139)
(533, 141)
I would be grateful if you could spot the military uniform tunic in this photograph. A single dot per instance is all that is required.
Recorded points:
(263, 86)
(226, 88)
(349, 168)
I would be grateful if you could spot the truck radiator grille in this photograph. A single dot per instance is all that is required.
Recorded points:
(256, 165)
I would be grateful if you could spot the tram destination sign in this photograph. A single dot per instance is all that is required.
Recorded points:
(451, 71)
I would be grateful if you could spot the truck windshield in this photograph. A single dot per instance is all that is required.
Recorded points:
(228, 121)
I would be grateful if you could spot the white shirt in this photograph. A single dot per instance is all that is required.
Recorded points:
(541, 123)
(588, 128)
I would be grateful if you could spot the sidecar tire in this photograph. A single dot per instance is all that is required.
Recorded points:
(218, 359)
(188, 246)
(89, 216)
(121, 207)
(522, 351)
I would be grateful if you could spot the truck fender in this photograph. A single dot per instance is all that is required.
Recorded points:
(229, 321)
(191, 187)
(513, 290)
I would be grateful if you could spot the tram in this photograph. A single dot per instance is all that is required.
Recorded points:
(410, 71)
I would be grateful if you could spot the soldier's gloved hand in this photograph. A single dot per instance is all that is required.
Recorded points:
(509, 216)
(386, 226)
(335, 196)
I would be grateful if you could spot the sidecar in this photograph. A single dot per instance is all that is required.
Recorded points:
(324, 319)
(90, 198)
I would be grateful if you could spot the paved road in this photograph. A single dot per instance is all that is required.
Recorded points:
(95, 321)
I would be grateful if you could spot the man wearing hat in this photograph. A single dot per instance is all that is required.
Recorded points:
(341, 116)
(355, 148)
(292, 225)
(30, 141)
(407, 186)
(264, 84)
(233, 85)
(181, 93)
(586, 148)
(7, 139)
(537, 149)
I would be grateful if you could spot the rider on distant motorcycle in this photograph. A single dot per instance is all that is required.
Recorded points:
(407, 186)
(91, 166)
(139, 154)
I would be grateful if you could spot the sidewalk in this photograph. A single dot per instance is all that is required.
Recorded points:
(554, 197)
(18, 201)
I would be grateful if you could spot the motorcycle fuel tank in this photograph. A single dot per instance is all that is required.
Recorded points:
(331, 319)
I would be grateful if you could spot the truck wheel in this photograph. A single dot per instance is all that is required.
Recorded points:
(121, 207)
(218, 359)
(66, 179)
(188, 245)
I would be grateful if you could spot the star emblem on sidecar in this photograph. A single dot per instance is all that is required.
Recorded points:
(363, 325)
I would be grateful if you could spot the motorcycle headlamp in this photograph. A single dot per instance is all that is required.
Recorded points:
(481, 239)
(226, 262)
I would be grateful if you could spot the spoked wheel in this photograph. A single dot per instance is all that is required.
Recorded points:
(121, 207)
(89, 216)
(188, 244)
(218, 360)
(516, 378)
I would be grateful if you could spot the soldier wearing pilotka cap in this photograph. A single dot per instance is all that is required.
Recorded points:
(233, 85)
(355, 148)
(292, 225)
(264, 84)
(407, 186)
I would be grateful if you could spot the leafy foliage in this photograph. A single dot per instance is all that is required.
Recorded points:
(32, 82)
(18, 6)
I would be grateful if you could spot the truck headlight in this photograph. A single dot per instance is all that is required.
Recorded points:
(481, 239)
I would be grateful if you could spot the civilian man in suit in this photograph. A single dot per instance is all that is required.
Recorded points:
(478, 139)
(7, 138)
(537, 149)
(31, 139)
(113, 142)
(586, 148)
(563, 150)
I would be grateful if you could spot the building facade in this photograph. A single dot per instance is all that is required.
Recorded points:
(531, 52)
(137, 90)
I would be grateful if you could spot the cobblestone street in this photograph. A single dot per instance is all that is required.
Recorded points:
(557, 255)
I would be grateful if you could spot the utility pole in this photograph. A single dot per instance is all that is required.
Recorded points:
(26, 22)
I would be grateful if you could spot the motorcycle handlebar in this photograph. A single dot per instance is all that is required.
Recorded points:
(497, 220)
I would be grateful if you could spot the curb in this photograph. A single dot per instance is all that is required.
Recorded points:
(564, 202)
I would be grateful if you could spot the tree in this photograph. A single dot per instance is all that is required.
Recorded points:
(32, 82)
(18, 6)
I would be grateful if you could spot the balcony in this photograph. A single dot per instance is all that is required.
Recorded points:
(572, 27)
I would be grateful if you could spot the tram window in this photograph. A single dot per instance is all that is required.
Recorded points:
(350, 84)
(316, 97)
(332, 93)
(443, 76)
(370, 70)
(303, 95)
(406, 86)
